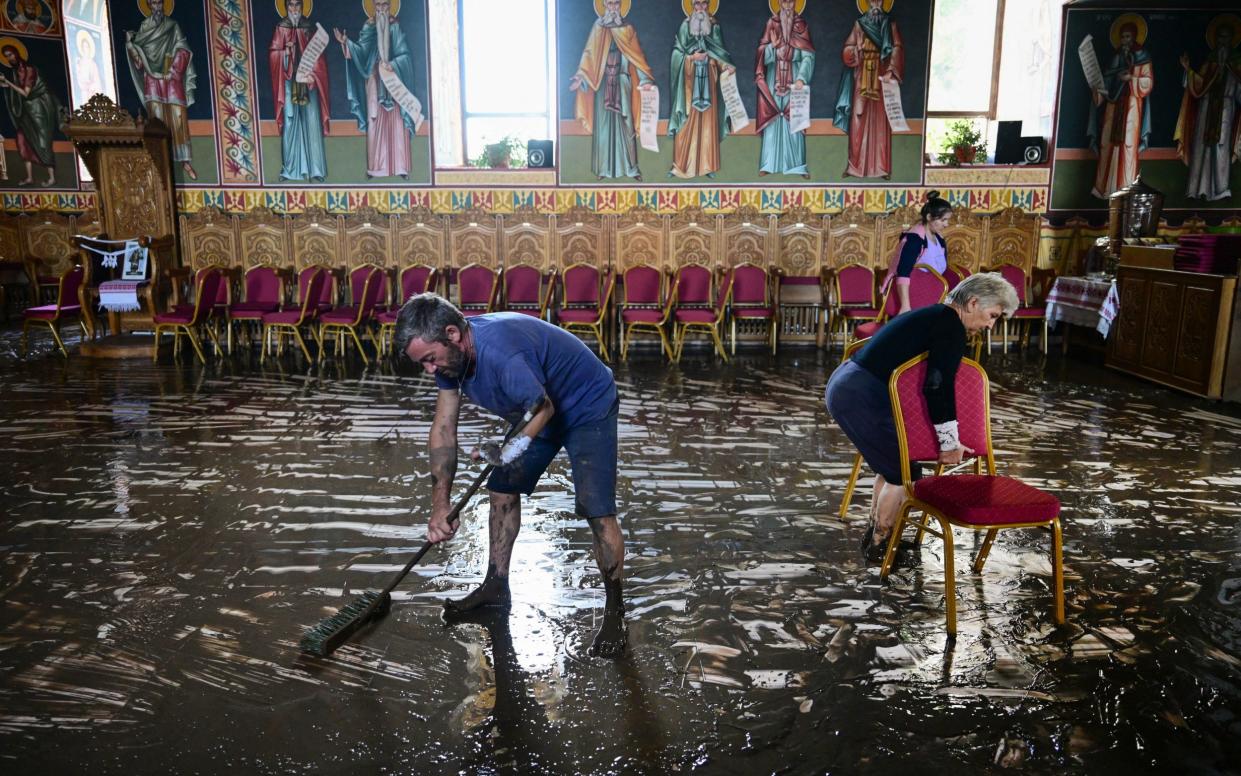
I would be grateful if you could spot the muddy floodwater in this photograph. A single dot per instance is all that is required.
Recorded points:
(169, 531)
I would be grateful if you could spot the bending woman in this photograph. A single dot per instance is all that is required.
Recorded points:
(922, 244)
(857, 393)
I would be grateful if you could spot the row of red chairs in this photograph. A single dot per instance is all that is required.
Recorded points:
(856, 315)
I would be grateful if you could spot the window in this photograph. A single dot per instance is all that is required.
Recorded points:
(493, 72)
(88, 40)
(961, 74)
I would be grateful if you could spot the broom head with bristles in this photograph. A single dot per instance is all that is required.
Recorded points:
(325, 637)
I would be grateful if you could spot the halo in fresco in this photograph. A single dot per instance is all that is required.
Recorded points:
(863, 6)
(307, 7)
(145, 7)
(1227, 20)
(688, 5)
(369, 7)
(86, 44)
(17, 44)
(1121, 21)
(624, 9)
(775, 6)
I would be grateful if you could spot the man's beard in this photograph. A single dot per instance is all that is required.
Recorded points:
(700, 23)
(611, 18)
(455, 368)
(157, 16)
(295, 18)
(786, 22)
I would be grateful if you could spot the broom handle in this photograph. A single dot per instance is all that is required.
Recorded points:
(461, 502)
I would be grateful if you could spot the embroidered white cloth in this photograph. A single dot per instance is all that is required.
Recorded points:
(119, 296)
(1083, 302)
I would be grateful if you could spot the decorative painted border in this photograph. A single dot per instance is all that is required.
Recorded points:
(231, 62)
(559, 200)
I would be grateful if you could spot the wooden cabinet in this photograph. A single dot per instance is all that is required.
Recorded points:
(1176, 328)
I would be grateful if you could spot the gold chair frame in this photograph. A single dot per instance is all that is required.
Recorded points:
(770, 299)
(52, 324)
(595, 327)
(280, 329)
(177, 329)
(352, 327)
(658, 326)
(679, 329)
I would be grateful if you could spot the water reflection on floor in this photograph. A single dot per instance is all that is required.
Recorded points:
(168, 532)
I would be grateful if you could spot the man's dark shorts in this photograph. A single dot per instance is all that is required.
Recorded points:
(592, 456)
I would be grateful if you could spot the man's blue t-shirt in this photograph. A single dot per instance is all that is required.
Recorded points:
(519, 358)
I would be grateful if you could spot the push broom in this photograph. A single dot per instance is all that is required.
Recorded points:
(323, 639)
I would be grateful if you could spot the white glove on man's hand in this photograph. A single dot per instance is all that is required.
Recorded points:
(496, 455)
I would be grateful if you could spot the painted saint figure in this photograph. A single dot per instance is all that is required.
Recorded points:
(87, 81)
(301, 108)
(161, 65)
(380, 48)
(1208, 135)
(1121, 126)
(606, 89)
(785, 62)
(873, 53)
(698, 121)
(35, 111)
(30, 16)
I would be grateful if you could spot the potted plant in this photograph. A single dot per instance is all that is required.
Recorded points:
(963, 144)
(507, 152)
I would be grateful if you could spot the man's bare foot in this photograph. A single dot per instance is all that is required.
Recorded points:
(189, 171)
(27, 182)
(610, 641)
(51, 181)
(492, 592)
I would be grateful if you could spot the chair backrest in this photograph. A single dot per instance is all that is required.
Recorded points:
(263, 285)
(325, 290)
(373, 292)
(67, 286)
(855, 286)
(750, 286)
(417, 279)
(926, 287)
(1017, 277)
(952, 277)
(644, 285)
(723, 294)
(693, 285)
(207, 288)
(582, 285)
(316, 278)
(523, 285)
(363, 274)
(476, 285)
(914, 429)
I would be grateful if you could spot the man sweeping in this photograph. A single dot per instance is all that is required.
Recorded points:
(507, 363)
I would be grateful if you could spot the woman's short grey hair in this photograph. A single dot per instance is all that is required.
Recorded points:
(990, 288)
(426, 317)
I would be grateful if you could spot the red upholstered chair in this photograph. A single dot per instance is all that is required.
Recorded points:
(326, 297)
(854, 301)
(644, 305)
(179, 321)
(348, 319)
(359, 276)
(695, 316)
(980, 502)
(752, 299)
(1026, 311)
(926, 287)
(478, 289)
(587, 294)
(524, 291)
(66, 307)
(291, 321)
(263, 292)
(413, 280)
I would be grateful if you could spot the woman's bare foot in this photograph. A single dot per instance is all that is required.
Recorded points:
(493, 591)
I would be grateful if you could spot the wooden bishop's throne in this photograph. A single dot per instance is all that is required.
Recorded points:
(130, 161)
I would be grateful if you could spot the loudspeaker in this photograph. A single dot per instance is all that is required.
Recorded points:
(1012, 148)
(539, 154)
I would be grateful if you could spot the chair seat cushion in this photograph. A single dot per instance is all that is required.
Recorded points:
(579, 315)
(388, 316)
(283, 316)
(641, 315)
(49, 311)
(753, 312)
(695, 315)
(982, 500)
(861, 313)
(340, 315)
(174, 316)
(867, 329)
(1030, 312)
